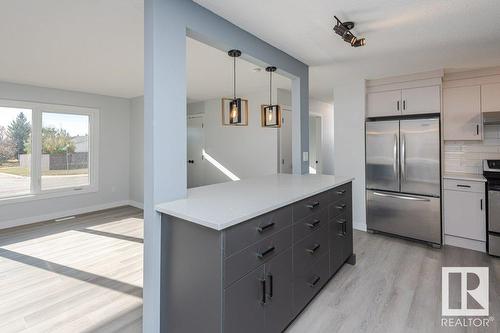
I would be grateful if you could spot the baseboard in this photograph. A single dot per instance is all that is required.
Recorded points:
(465, 243)
(359, 226)
(136, 204)
(61, 214)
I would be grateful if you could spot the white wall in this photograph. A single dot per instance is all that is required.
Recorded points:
(349, 154)
(247, 151)
(113, 156)
(137, 151)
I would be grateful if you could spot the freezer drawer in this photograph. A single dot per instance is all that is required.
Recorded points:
(405, 215)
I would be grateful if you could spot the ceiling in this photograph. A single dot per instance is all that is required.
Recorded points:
(97, 46)
(402, 36)
(92, 46)
(210, 74)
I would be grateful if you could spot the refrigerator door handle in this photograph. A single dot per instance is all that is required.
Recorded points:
(395, 152)
(404, 197)
(403, 157)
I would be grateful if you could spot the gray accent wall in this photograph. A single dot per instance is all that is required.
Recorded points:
(166, 26)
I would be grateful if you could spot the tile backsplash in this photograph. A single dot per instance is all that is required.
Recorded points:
(467, 156)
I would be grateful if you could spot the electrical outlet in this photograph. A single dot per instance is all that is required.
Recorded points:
(305, 156)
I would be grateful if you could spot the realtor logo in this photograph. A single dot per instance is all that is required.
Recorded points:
(470, 285)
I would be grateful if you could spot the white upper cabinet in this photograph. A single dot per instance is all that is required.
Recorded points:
(406, 101)
(462, 113)
(421, 100)
(383, 104)
(490, 97)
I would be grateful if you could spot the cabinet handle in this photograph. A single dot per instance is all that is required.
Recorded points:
(265, 227)
(314, 282)
(341, 207)
(271, 286)
(481, 204)
(313, 249)
(344, 229)
(342, 192)
(463, 186)
(477, 129)
(313, 205)
(262, 255)
(342, 223)
(397, 105)
(404, 104)
(313, 224)
(263, 291)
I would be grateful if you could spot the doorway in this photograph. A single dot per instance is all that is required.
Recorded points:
(195, 146)
(315, 165)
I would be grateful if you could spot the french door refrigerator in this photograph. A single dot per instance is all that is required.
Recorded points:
(403, 178)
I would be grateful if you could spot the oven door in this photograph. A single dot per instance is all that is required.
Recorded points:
(494, 210)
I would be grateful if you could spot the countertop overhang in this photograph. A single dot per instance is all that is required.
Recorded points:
(221, 206)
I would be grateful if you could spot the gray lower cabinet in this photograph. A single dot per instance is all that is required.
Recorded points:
(256, 276)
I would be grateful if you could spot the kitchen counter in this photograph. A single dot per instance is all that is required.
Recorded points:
(221, 206)
(464, 176)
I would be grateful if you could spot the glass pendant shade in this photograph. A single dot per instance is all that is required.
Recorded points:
(270, 115)
(234, 112)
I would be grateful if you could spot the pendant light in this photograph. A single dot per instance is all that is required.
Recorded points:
(234, 110)
(270, 114)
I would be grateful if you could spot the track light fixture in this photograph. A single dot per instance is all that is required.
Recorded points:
(343, 29)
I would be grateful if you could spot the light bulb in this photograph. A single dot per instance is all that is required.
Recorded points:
(270, 117)
(234, 112)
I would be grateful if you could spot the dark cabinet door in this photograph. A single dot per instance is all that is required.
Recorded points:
(341, 246)
(244, 304)
(279, 292)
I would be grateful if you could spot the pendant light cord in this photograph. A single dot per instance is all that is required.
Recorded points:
(234, 77)
(270, 88)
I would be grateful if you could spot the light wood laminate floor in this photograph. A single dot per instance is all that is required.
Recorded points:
(79, 275)
(85, 275)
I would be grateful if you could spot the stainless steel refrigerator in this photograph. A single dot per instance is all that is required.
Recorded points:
(403, 178)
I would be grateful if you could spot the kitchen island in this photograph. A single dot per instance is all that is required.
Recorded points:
(248, 256)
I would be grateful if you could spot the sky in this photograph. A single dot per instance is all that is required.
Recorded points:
(74, 124)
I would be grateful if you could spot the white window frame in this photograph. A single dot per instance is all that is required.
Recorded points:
(36, 192)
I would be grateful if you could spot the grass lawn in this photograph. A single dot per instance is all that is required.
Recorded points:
(18, 171)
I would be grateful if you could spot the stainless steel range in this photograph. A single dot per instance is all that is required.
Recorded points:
(491, 171)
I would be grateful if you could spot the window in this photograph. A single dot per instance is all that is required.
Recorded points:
(46, 150)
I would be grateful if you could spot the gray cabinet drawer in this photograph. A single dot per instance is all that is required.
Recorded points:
(310, 205)
(308, 225)
(256, 229)
(307, 251)
(308, 283)
(246, 260)
(341, 192)
(338, 208)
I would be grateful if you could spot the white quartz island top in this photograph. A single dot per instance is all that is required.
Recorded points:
(221, 206)
(464, 176)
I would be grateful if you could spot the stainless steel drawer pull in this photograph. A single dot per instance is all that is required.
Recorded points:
(313, 249)
(341, 221)
(342, 192)
(313, 205)
(262, 255)
(313, 224)
(341, 207)
(314, 281)
(263, 228)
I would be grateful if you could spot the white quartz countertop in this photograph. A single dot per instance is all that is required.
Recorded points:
(220, 206)
(464, 176)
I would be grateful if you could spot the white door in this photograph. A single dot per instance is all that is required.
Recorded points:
(195, 143)
(421, 100)
(314, 144)
(285, 160)
(384, 103)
